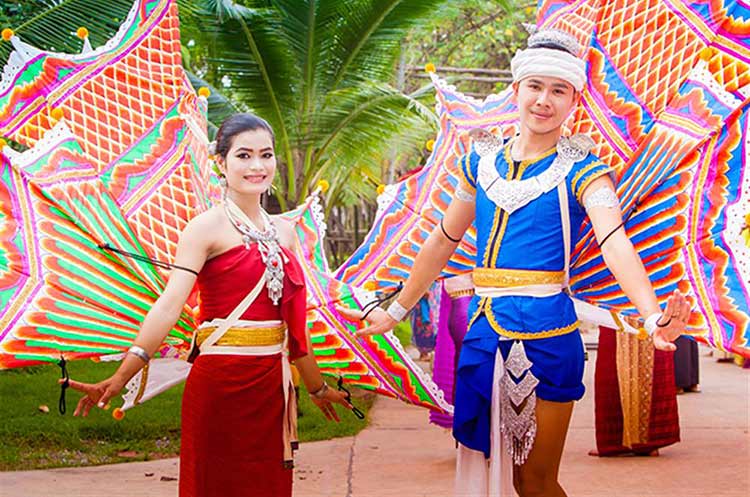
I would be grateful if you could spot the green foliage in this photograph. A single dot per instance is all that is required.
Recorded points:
(483, 34)
(56, 21)
(321, 73)
(403, 333)
(15, 13)
(33, 440)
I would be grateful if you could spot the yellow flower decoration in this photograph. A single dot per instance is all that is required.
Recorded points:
(381, 189)
(57, 114)
(508, 32)
(3, 143)
(430, 67)
(371, 286)
(7, 34)
(204, 92)
(529, 10)
(82, 33)
(430, 145)
(324, 185)
(642, 334)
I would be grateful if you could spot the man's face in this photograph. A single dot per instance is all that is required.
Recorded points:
(544, 102)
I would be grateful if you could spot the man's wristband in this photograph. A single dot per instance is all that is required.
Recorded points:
(397, 312)
(651, 323)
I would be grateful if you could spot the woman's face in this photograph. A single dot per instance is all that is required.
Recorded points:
(544, 103)
(250, 164)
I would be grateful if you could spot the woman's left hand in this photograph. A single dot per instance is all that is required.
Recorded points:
(326, 403)
(672, 322)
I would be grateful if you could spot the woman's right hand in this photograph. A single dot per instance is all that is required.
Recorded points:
(378, 320)
(98, 394)
(326, 403)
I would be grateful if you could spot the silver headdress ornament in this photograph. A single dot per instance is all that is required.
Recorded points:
(555, 37)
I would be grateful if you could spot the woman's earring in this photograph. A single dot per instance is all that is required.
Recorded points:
(223, 185)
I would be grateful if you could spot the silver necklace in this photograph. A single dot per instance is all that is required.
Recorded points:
(268, 246)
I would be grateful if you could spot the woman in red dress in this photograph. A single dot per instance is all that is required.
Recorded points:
(238, 409)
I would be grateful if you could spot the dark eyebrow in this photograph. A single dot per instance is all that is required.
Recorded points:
(250, 149)
(554, 85)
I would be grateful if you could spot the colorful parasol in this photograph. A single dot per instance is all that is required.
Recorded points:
(120, 123)
(666, 103)
(61, 292)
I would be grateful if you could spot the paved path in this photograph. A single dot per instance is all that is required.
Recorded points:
(400, 454)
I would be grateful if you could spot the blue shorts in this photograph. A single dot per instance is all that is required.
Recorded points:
(557, 362)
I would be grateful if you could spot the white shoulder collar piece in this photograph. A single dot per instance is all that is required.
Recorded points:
(514, 194)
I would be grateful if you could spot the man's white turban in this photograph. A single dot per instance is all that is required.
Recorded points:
(541, 60)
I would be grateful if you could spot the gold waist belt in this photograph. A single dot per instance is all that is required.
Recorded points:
(461, 293)
(245, 337)
(510, 278)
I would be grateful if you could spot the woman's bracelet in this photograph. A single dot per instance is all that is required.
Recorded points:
(320, 393)
(140, 353)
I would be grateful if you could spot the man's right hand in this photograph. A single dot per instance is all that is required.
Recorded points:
(378, 320)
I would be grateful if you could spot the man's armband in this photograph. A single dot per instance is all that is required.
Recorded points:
(603, 197)
(463, 195)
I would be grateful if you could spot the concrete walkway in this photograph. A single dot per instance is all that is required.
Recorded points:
(401, 454)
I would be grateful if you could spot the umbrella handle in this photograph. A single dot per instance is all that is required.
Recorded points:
(340, 386)
(64, 385)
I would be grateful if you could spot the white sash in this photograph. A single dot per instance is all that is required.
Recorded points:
(230, 321)
(562, 195)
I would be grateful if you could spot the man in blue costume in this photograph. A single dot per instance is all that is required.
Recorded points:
(528, 195)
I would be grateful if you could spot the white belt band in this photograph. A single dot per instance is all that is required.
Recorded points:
(546, 290)
(241, 323)
(231, 350)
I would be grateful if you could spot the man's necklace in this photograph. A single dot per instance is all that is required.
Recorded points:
(268, 246)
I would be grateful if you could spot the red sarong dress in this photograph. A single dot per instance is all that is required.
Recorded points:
(663, 424)
(233, 405)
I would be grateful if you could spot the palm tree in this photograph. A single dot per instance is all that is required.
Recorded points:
(318, 70)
